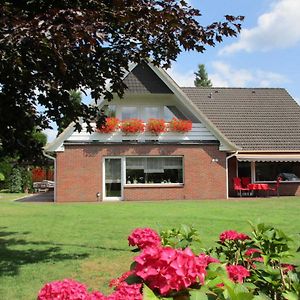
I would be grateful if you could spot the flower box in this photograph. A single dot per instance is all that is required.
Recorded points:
(111, 125)
(132, 126)
(182, 126)
(156, 126)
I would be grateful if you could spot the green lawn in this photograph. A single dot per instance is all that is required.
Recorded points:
(88, 242)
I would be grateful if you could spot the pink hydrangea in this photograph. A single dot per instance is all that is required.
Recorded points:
(144, 237)
(209, 259)
(237, 273)
(127, 291)
(66, 289)
(166, 269)
(232, 235)
(96, 296)
(117, 281)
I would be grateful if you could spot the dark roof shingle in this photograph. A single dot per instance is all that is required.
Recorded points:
(252, 118)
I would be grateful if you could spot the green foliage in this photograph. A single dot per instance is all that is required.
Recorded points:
(19, 180)
(26, 180)
(48, 48)
(273, 242)
(201, 79)
(14, 181)
(182, 237)
(75, 97)
(2, 177)
(40, 137)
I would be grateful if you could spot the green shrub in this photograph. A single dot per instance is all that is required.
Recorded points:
(14, 181)
(26, 180)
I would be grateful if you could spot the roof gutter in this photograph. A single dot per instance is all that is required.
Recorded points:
(226, 171)
(54, 159)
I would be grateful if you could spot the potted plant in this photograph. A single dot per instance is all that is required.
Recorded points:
(156, 126)
(181, 126)
(132, 126)
(111, 125)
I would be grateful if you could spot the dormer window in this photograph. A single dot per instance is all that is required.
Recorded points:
(152, 112)
(129, 112)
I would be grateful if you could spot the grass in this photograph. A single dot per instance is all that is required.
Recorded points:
(5, 196)
(88, 242)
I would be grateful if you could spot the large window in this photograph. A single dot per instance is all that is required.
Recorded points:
(154, 170)
(129, 112)
(151, 112)
(109, 110)
(269, 171)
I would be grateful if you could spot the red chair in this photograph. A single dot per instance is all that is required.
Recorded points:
(237, 186)
(276, 188)
(245, 181)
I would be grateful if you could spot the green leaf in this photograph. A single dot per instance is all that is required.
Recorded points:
(261, 296)
(291, 296)
(199, 295)
(148, 294)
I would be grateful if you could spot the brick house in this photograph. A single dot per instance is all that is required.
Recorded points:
(235, 132)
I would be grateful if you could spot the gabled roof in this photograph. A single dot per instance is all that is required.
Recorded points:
(254, 119)
(157, 81)
(142, 80)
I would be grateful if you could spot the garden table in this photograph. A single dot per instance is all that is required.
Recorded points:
(259, 187)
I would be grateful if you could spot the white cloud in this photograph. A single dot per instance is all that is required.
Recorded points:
(182, 79)
(51, 134)
(224, 75)
(278, 28)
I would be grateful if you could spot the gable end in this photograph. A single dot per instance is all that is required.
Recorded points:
(142, 80)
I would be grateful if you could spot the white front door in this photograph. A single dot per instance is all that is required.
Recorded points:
(113, 181)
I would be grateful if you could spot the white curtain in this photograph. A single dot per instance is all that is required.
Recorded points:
(112, 170)
(153, 164)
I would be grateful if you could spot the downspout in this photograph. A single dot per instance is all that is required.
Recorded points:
(54, 159)
(226, 170)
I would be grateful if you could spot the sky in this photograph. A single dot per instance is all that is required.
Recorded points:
(265, 54)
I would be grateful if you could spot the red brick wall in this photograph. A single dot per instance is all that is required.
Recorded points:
(79, 172)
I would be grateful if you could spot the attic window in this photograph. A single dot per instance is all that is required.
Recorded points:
(110, 110)
(171, 112)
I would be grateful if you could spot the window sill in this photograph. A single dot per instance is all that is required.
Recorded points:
(154, 185)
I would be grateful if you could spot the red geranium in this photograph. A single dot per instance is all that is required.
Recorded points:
(111, 125)
(156, 126)
(132, 126)
(182, 126)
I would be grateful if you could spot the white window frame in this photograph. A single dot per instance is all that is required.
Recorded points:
(140, 110)
(105, 198)
(141, 185)
(154, 184)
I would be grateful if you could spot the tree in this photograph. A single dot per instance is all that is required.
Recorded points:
(76, 98)
(48, 48)
(201, 79)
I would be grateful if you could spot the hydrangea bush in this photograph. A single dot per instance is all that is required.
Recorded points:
(240, 267)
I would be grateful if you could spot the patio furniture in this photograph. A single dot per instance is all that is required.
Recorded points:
(245, 182)
(237, 186)
(256, 187)
(276, 188)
